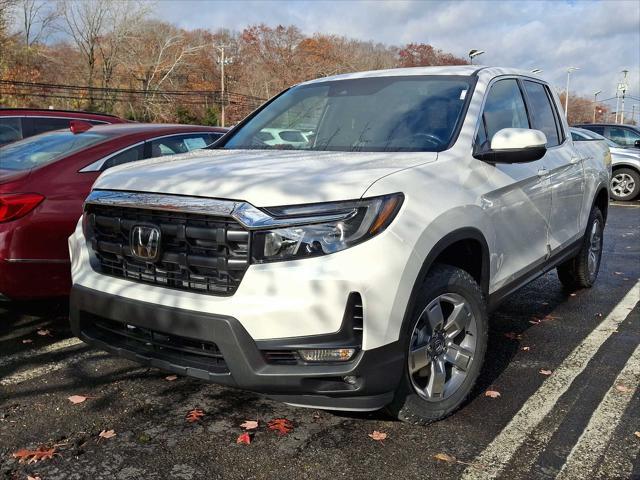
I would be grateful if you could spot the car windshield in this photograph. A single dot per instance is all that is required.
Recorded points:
(46, 148)
(408, 113)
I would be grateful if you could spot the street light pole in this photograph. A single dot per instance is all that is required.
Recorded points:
(624, 90)
(566, 92)
(595, 104)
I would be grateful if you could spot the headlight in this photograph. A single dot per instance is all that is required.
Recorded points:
(307, 236)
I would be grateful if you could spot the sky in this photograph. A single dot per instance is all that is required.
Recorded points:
(602, 38)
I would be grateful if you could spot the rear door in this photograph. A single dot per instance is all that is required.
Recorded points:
(520, 202)
(563, 165)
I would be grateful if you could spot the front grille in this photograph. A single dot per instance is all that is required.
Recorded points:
(198, 252)
(178, 350)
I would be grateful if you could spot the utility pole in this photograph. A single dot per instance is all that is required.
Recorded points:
(595, 104)
(566, 92)
(633, 113)
(222, 62)
(624, 90)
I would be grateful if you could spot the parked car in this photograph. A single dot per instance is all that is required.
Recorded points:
(354, 272)
(282, 137)
(625, 179)
(44, 180)
(623, 135)
(19, 123)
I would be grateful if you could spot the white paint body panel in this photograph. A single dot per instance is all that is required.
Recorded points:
(517, 211)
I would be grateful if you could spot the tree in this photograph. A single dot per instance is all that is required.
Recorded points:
(425, 55)
(38, 18)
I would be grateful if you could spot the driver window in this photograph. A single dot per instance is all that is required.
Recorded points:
(504, 108)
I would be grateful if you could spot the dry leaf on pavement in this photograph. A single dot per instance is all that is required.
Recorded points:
(29, 477)
(75, 399)
(107, 434)
(171, 378)
(623, 388)
(281, 425)
(637, 434)
(526, 349)
(545, 372)
(492, 393)
(249, 424)
(443, 457)
(244, 438)
(195, 415)
(33, 456)
(43, 332)
(378, 436)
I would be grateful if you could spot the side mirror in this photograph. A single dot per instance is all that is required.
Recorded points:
(515, 145)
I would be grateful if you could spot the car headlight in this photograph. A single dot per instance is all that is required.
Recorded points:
(306, 235)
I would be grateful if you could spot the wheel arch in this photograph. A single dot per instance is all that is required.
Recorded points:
(463, 238)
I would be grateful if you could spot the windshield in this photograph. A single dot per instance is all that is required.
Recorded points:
(36, 151)
(412, 113)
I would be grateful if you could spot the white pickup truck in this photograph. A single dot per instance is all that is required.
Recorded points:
(354, 269)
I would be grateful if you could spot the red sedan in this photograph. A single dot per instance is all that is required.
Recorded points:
(43, 182)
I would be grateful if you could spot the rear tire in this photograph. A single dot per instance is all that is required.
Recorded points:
(582, 270)
(445, 342)
(625, 184)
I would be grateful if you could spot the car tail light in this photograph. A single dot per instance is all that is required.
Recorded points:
(16, 205)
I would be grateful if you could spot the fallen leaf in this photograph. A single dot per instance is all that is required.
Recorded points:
(249, 424)
(195, 415)
(637, 434)
(171, 378)
(572, 294)
(33, 456)
(43, 332)
(281, 425)
(443, 457)
(378, 436)
(623, 388)
(545, 372)
(29, 477)
(316, 415)
(107, 434)
(27, 340)
(75, 399)
(244, 438)
(513, 336)
(492, 393)
(550, 317)
(526, 349)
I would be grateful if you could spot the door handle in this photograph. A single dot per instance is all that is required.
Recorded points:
(542, 171)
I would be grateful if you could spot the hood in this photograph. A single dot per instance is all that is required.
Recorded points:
(262, 177)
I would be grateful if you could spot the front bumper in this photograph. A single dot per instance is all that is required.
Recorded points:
(378, 371)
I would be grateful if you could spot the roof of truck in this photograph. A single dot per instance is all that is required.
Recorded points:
(461, 70)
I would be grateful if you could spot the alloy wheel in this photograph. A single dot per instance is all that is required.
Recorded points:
(442, 347)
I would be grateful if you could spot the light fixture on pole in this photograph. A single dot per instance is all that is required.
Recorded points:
(473, 54)
(566, 92)
(595, 103)
(536, 70)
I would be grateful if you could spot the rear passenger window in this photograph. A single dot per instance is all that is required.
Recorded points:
(129, 155)
(542, 113)
(504, 108)
(10, 130)
(45, 124)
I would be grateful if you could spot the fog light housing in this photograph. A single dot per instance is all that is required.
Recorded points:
(327, 354)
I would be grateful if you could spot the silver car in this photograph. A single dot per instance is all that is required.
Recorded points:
(625, 181)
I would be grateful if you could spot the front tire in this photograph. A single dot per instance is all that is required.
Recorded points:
(625, 184)
(582, 270)
(445, 341)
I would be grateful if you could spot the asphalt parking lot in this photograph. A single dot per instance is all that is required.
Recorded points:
(580, 421)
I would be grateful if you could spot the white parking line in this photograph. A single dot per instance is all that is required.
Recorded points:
(500, 451)
(592, 443)
(53, 347)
